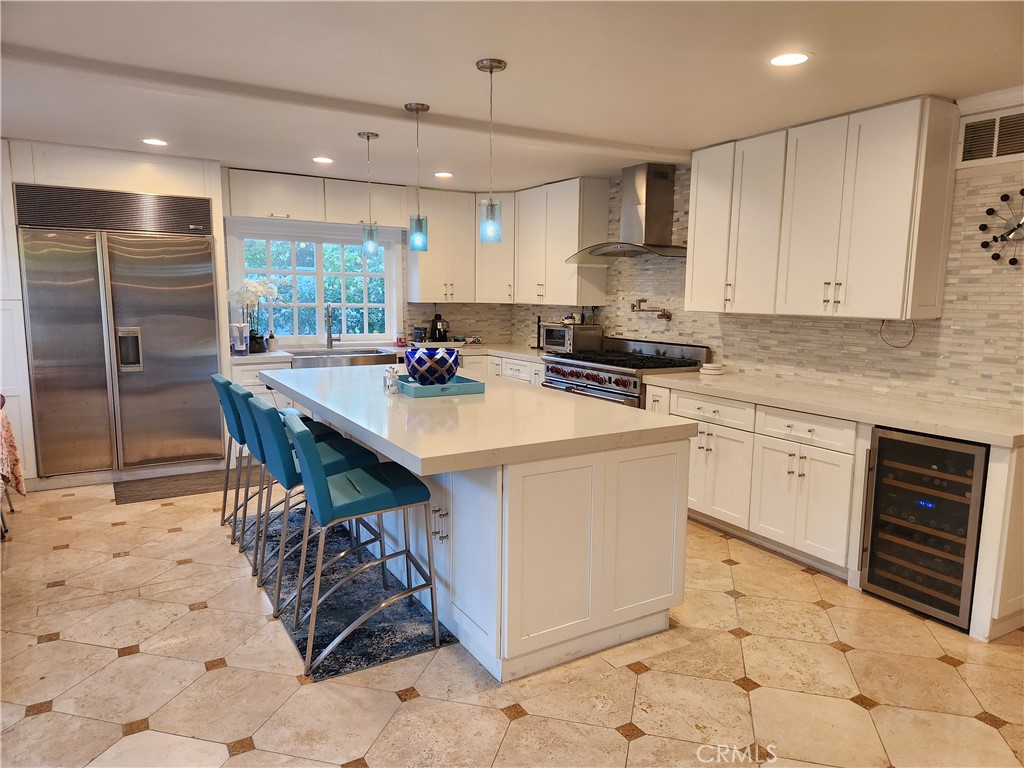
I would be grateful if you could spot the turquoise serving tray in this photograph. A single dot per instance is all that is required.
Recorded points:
(459, 385)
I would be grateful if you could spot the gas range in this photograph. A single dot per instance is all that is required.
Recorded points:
(616, 372)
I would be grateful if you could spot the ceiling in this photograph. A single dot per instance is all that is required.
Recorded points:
(590, 87)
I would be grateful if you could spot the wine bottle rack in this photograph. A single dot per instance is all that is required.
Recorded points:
(922, 522)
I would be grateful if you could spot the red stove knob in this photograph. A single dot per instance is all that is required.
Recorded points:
(593, 377)
(620, 382)
(577, 374)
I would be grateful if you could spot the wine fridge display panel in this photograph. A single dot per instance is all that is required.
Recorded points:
(921, 530)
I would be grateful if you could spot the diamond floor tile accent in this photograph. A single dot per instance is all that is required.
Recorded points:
(638, 667)
(863, 701)
(407, 694)
(630, 731)
(747, 684)
(989, 719)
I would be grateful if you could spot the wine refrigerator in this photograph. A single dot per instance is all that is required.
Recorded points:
(922, 523)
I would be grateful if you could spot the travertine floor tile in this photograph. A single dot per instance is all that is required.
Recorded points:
(152, 749)
(785, 618)
(127, 622)
(46, 624)
(912, 681)
(652, 645)
(121, 573)
(1000, 653)
(307, 724)
(12, 590)
(933, 740)
(708, 574)
(706, 547)
(87, 598)
(13, 553)
(798, 666)
(819, 729)
(242, 595)
(428, 732)
(1013, 734)
(123, 538)
(129, 688)
(718, 657)
(749, 555)
(180, 545)
(393, 676)
(45, 671)
(257, 758)
(204, 635)
(596, 693)
(225, 705)
(780, 581)
(456, 676)
(57, 565)
(658, 752)
(10, 714)
(13, 643)
(707, 610)
(269, 650)
(538, 741)
(56, 739)
(1000, 692)
(884, 632)
(839, 593)
(692, 709)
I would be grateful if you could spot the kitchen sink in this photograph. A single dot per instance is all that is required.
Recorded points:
(330, 358)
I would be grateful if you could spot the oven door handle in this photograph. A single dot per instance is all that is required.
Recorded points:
(609, 397)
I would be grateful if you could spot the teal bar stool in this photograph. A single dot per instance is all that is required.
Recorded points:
(241, 396)
(337, 455)
(353, 496)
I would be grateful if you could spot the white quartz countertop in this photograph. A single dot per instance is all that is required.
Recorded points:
(918, 415)
(510, 423)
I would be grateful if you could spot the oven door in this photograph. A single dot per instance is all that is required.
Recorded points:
(598, 394)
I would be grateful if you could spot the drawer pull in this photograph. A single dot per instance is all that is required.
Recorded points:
(715, 412)
(810, 430)
(789, 426)
(699, 408)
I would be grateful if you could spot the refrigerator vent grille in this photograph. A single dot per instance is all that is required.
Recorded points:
(71, 208)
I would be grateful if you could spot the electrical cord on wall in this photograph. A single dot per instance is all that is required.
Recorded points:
(913, 333)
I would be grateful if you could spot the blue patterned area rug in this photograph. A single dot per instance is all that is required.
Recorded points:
(403, 629)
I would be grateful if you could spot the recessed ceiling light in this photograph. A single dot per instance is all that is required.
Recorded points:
(323, 160)
(790, 59)
(443, 174)
(155, 142)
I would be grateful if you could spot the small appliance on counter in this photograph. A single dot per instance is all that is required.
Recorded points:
(555, 337)
(438, 329)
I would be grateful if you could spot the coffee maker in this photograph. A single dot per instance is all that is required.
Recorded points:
(438, 329)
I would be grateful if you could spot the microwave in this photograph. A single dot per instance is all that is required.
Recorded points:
(555, 337)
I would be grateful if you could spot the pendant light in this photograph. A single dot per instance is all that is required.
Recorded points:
(417, 223)
(490, 209)
(370, 239)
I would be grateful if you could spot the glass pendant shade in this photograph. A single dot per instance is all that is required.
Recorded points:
(490, 221)
(370, 240)
(417, 233)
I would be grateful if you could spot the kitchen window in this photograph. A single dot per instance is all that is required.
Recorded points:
(316, 265)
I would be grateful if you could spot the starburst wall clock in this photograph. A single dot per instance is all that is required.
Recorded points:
(1006, 235)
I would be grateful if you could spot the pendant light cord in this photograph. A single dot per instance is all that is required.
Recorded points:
(369, 197)
(417, 163)
(490, 142)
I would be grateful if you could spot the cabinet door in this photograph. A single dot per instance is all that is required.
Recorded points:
(515, 369)
(773, 490)
(729, 456)
(811, 210)
(462, 237)
(530, 245)
(878, 207)
(825, 481)
(346, 202)
(428, 270)
(562, 241)
(708, 228)
(537, 374)
(475, 366)
(698, 484)
(496, 262)
(657, 400)
(495, 366)
(758, 173)
(276, 195)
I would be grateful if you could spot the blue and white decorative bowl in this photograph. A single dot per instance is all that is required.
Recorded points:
(432, 365)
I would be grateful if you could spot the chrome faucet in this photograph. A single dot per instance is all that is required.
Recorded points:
(638, 306)
(330, 325)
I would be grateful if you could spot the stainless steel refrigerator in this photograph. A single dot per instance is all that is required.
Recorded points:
(122, 342)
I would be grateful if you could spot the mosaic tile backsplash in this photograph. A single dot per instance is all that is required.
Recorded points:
(973, 355)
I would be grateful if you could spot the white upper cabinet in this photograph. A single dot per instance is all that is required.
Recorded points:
(446, 272)
(811, 209)
(276, 195)
(735, 218)
(346, 203)
(552, 223)
(496, 262)
(866, 213)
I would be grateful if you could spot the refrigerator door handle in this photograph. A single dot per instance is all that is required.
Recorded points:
(129, 349)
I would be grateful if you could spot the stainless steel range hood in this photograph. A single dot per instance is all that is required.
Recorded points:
(645, 227)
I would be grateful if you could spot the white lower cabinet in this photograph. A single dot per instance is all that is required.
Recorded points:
(247, 375)
(475, 366)
(720, 466)
(800, 497)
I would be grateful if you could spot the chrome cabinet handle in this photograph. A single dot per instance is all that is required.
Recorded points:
(791, 471)
(727, 287)
(510, 290)
(800, 466)
(715, 412)
(709, 434)
(700, 408)
(700, 439)
(824, 297)
(279, 215)
(811, 430)
(836, 295)
(789, 426)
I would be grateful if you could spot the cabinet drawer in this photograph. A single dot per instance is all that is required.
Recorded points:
(809, 428)
(515, 369)
(714, 410)
(249, 375)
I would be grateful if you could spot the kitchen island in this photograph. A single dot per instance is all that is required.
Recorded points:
(559, 520)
